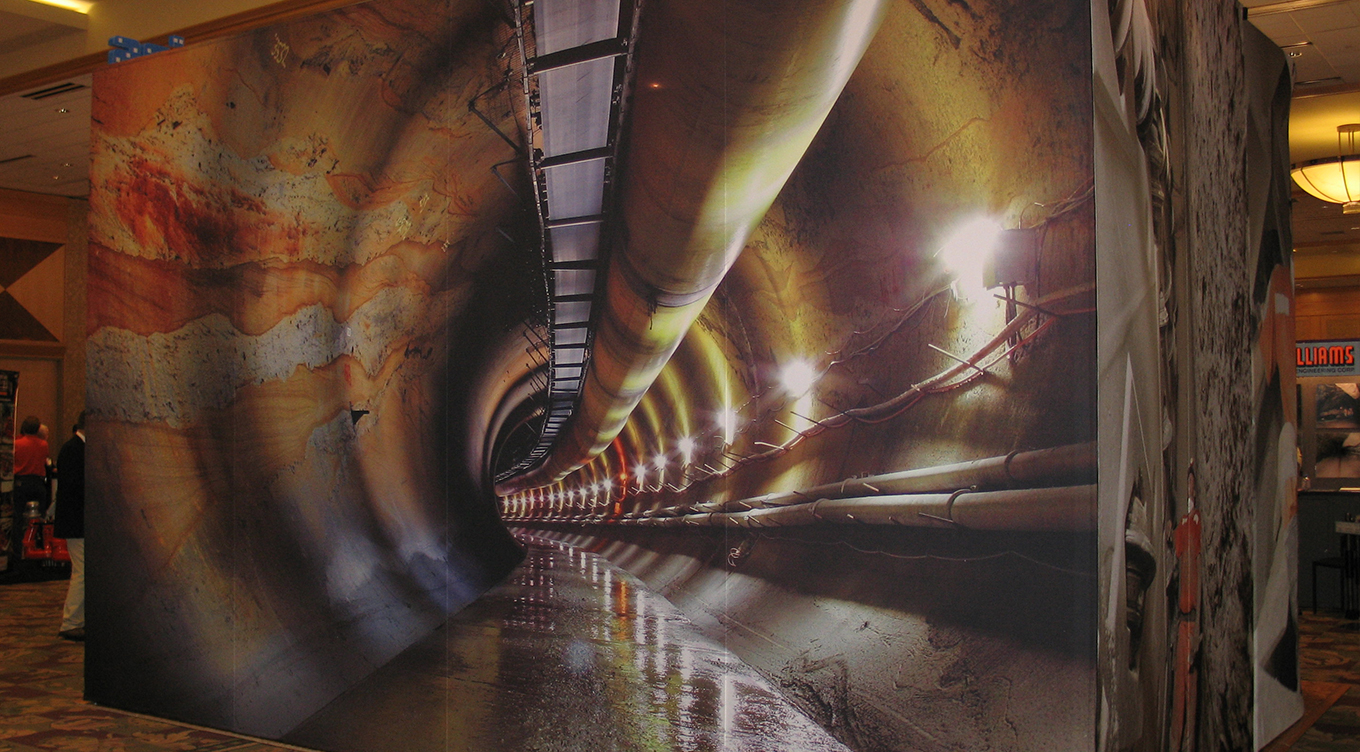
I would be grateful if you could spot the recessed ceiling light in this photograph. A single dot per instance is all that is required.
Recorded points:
(68, 164)
(62, 110)
(1296, 53)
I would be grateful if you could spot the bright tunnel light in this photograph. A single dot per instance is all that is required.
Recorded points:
(966, 253)
(727, 420)
(686, 446)
(797, 377)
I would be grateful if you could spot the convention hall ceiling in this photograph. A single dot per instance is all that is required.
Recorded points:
(1322, 39)
(44, 133)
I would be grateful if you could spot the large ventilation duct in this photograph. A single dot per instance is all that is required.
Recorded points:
(729, 96)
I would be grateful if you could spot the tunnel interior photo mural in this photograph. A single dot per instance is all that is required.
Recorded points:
(586, 374)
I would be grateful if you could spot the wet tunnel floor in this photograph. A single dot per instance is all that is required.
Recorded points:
(569, 654)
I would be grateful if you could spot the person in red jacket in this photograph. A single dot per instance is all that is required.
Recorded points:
(30, 473)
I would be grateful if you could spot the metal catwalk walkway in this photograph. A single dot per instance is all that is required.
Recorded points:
(571, 654)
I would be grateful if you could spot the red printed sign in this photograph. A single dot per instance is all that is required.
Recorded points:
(1327, 358)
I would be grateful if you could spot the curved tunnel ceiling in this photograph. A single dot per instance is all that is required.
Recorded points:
(769, 227)
(316, 291)
(833, 246)
(699, 173)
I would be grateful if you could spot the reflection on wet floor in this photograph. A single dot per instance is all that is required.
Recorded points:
(570, 654)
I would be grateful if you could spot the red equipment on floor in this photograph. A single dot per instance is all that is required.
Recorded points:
(40, 543)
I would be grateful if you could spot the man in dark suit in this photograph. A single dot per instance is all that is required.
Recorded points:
(70, 524)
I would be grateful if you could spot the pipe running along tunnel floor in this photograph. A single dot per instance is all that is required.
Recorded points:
(570, 653)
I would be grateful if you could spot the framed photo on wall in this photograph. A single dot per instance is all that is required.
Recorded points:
(1338, 406)
(1338, 454)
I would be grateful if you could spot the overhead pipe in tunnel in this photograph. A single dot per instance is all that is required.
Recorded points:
(1051, 509)
(1068, 462)
(1058, 494)
(1059, 509)
(709, 149)
(958, 374)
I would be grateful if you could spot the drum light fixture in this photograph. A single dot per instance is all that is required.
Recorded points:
(1334, 179)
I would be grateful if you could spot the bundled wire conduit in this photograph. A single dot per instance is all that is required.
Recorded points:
(1044, 490)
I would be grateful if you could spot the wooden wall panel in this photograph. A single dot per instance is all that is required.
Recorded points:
(33, 216)
(40, 395)
(1328, 313)
(52, 294)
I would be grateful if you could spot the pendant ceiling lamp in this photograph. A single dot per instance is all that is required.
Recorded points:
(1335, 179)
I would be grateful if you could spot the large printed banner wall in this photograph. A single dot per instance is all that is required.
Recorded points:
(289, 283)
(1198, 535)
(703, 374)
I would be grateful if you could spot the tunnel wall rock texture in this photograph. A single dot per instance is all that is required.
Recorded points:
(313, 316)
(279, 258)
(1197, 408)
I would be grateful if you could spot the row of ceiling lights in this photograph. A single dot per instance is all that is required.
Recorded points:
(796, 378)
(975, 246)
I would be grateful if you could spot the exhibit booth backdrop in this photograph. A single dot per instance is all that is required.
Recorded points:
(1043, 240)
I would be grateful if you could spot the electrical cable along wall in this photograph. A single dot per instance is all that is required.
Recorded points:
(911, 303)
(856, 329)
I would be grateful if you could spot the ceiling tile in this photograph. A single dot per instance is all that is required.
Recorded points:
(1337, 41)
(54, 138)
(1326, 18)
(1276, 25)
(1311, 66)
(1345, 63)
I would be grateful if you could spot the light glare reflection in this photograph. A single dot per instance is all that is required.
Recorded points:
(797, 377)
(966, 253)
(686, 445)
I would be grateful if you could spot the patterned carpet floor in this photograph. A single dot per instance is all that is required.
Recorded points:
(1329, 669)
(42, 680)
